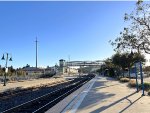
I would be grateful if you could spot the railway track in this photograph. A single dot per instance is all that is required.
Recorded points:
(28, 90)
(45, 102)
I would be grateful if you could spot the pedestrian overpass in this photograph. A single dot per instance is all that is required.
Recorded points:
(85, 63)
(65, 66)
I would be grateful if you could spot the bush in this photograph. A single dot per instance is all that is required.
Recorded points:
(124, 79)
(149, 92)
(146, 86)
(132, 83)
(48, 75)
(119, 77)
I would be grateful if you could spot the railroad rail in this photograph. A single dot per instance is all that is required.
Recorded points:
(30, 89)
(45, 102)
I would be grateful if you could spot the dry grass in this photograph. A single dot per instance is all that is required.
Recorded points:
(124, 79)
(132, 83)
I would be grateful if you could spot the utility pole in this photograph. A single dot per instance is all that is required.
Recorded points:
(68, 66)
(36, 51)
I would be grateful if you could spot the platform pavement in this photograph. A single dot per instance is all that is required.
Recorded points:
(104, 95)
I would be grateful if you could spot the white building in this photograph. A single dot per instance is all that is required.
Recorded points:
(71, 70)
(38, 71)
(33, 71)
(147, 57)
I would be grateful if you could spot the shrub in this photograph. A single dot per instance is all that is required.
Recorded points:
(124, 79)
(146, 86)
(48, 75)
(132, 83)
(119, 77)
(149, 92)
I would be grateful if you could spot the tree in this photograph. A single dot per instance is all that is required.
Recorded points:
(137, 35)
(108, 63)
(99, 70)
(79, 71)
(120, 61)
(1, 70)
(126, 60)
(11, 70)
(20, 71)
(109, 67)
(27, 65)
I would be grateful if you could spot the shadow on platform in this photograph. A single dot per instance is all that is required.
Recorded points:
(114, 103)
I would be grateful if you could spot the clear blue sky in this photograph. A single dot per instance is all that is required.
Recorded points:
(79, 29)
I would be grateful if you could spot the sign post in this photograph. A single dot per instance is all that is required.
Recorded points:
(137, 85)
(141, 73)
(138, 66)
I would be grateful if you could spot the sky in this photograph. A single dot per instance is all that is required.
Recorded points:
(77, 29)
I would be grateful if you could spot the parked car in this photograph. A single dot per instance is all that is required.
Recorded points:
(126, 74)
(133, 75)
(144, 74)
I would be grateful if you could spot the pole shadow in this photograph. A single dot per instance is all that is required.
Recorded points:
(131, 103)
(106, 107)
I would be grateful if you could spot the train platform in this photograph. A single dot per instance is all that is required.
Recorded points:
(103, 95)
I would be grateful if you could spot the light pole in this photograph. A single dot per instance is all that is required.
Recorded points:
(6, 57)
(68, 66)
(36, 51)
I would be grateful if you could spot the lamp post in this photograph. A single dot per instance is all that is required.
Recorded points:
(6, 56)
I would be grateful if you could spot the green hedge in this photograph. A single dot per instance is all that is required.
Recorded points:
(146, 86)
(149, 92)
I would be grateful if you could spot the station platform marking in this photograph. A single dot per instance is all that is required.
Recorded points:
(73, 106)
